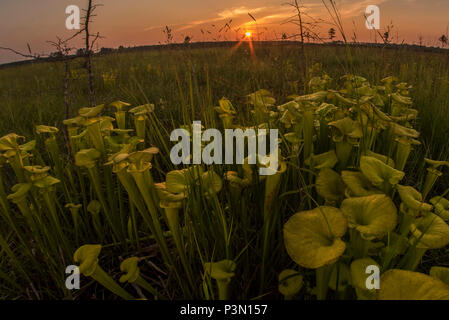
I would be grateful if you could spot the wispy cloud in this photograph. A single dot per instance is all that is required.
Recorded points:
(231, 13)
(153, 28)
(275, 15)
(350, 9)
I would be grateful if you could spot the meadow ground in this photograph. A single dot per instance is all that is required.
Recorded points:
(32, 94)
(185, 84)
(172, 79)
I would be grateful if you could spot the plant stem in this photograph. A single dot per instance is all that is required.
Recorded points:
(414, 258)
(323, 275)
(106, 281)
(223, 289)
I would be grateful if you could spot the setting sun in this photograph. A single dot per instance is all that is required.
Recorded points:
(248, 34)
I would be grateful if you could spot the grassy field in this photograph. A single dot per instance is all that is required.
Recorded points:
(166, 77)
(239, 227)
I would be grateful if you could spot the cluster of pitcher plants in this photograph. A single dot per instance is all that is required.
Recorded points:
(101, 193)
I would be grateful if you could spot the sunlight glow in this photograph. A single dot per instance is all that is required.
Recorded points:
(248, 34)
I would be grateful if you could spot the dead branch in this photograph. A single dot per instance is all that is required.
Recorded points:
(88, 46)
(30, 56)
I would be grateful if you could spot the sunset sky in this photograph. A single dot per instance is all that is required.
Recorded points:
(140, 22)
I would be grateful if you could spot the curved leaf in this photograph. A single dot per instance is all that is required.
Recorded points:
(358, 185)
(330, 186)
(94, 207)
(46, 129)
(324, 160)
(222, 270)
(91, 112)
(440, 273)
(87, 158)
(211, 183)
(408, 285)
(313, 238)
(87, 256)
(379, 173)
(119, 105)
(290, 282)
(441, 207)
(429, 232)
(346, 128)
(130, 266)
(413, 199)
(46, 182)
(373, 216)
(358, 272)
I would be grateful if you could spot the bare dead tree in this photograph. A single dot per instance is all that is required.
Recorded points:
(307, 29)
(64, 51)
(29, 55)
(308, 25)
(90, 41)
(64, 54)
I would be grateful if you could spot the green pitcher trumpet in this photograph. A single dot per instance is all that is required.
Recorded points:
(237, 183)
(87, 257)
(432, 174)
(262, 102)
(380, 174)
(19, 197)
(313, 240)
(325, 160)
(120, 115)
(52, 146)
(413, 206)
(73, 126)
(346, 134)
(140, 116)
(441, 206)
(222, 272)
(408, 285)
(372, 216)
(139, 168)
(91, 112)
(96, 128)
(428, 232)
(290, 283)
(440, 273)
(132, 275)
(74, 212)
(358, 278)
(88, 159)
(413, 200)
(330, 186)
(403, 150)
(94, 209)
(369, 218)
(16, 154)
(172, 204)
(226, 113)
(357, 185)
